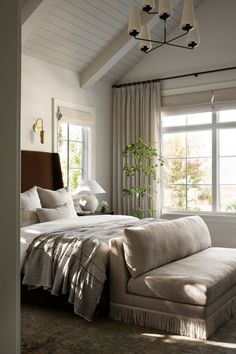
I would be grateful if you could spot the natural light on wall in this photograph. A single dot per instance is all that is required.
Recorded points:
(200, 170)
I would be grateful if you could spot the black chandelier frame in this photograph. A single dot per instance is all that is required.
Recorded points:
(163, 17)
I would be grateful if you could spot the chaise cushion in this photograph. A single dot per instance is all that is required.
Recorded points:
(197, 280)
(154, 245)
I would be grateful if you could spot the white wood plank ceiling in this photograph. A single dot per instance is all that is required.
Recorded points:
(88, 36)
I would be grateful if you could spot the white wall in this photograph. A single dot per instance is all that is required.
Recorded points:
(40, 83)
(217, 49)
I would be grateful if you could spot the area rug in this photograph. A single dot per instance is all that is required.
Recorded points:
(53, 331)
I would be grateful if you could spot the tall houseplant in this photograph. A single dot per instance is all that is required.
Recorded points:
(140, 171)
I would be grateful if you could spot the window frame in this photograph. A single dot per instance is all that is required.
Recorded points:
(214, 127)
(91, 123)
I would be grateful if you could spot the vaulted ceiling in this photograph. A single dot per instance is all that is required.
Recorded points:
(88, 36)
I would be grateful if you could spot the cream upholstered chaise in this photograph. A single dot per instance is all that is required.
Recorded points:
(167, 276)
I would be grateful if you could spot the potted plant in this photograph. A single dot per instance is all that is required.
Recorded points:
(140, 170)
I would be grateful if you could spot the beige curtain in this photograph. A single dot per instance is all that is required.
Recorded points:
(136, 114)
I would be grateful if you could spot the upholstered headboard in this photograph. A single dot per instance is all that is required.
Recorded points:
(40, 169)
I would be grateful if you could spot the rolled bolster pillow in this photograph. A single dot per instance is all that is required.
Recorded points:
(156, 244)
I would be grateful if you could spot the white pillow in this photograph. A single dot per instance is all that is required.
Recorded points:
(152, 245)
(29, 202)
(60, 212)
(53, 199)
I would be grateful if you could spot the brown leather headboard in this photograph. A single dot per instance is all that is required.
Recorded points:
(40, 169)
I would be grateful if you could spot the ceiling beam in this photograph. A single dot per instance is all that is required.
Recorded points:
(110, 56)
(32, 14)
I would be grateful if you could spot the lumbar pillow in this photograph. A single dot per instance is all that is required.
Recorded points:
(153, 245)
(29, 202)
(60, 212)
(53, 199)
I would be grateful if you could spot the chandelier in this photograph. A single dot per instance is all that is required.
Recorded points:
(142, 34)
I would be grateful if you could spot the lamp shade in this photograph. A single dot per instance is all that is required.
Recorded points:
(145, 45)
(89, 186)
(148, 5)
(164, 9)
(188, 18)
(134, 27)
(193, 38)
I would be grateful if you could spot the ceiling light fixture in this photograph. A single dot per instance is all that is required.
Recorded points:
(142, 34)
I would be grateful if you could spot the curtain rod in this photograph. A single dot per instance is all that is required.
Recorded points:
(196, 74)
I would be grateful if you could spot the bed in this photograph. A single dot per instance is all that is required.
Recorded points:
(72, 250)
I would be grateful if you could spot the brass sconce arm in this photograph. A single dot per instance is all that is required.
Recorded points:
(38, 128)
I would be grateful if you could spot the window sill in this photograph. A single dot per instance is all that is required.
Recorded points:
(210, 218)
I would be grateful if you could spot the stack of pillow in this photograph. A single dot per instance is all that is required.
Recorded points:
(42, 205)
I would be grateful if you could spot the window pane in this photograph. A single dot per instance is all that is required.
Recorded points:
(62, 149)
(227, 116)
(228, 199)
(199, 171)
(199, 118)
(199, 144)
(174, 145)
(74, 179)
(174, 171)
(228, 170)
(75, 155)
(227, 142)
(75, 132)
(173, 121)
(199, 198)
(62, 131)
(174, 198)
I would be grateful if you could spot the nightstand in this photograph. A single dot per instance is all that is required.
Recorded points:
(96, 213)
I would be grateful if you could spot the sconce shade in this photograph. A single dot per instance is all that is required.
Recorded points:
(145, 45)
(134, 27)
(164, 9)
(188, 18)
(193, 39)
(148, 5)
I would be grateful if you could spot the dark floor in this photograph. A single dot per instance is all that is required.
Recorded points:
(52, 331)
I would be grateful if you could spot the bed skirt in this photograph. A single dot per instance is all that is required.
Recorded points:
(175, 324)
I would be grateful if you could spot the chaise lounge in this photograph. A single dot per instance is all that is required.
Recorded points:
(167, 276)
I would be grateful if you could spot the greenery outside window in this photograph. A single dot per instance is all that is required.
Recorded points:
(74, 140)
(73, 150)
(199, 174)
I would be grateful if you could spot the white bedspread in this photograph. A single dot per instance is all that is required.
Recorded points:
(29, 233)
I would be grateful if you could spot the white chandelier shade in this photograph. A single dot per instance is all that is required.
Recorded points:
(134, 27)
(188, 18)
(145, 45)
(163, 10)
(193, 38)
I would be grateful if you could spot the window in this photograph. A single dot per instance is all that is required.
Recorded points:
(73, 150)
(74, 140)
(200, 170)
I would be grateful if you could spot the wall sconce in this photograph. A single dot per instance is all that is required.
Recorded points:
(38, 128)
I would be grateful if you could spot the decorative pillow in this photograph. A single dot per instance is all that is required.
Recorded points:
(151, 246)
(29, 201)
(53, 199)
(60, 212)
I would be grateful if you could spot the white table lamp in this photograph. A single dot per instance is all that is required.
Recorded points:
(85, 193)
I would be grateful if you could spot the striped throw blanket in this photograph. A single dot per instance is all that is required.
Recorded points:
(74, 262)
